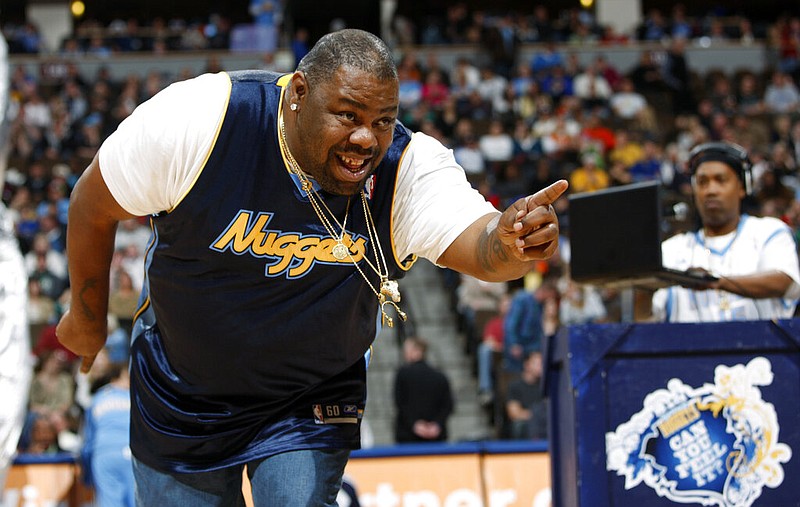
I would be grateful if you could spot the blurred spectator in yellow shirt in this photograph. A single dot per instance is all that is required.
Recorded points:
(590, 176)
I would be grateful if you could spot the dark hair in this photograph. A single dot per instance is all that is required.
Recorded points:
(418, 343)
(733, 155)
(112, 373)
(348, 48)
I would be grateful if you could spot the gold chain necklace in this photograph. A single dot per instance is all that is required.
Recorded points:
(389, 289)
(339, 250)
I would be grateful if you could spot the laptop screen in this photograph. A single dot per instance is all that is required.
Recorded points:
(615, 233)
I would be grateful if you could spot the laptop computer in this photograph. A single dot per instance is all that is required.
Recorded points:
(615, 239)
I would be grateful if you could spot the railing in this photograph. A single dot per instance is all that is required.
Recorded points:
(727, 57)
(508, 473)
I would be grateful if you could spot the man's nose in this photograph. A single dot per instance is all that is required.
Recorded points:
(364, 137)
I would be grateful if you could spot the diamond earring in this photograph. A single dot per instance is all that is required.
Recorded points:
(293, 107)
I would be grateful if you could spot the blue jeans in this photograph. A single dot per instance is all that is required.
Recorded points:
(485, 360)
(309, 478)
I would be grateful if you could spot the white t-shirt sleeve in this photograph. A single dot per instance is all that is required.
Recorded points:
(154, 157)
(434, 202)
(780, 253)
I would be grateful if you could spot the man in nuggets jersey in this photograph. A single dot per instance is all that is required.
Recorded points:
(283, 210)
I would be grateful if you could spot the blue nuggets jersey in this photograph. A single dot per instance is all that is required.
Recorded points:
(107, 429)
(249, 325)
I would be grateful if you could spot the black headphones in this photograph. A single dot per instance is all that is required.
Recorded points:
(729, 153)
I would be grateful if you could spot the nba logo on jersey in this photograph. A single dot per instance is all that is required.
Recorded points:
(369, 186)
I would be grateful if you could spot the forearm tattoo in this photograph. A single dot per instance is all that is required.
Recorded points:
(491, 251)
(88, 286)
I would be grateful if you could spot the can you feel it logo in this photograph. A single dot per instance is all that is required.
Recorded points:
(713, 445)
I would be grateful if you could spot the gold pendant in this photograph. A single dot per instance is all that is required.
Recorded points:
(391, 290)
(385, 319)
(339, 251)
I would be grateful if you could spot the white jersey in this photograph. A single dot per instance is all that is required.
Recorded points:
(757, 245)
(5, 98)
(434, 201)
(16, 363)
(15, 357)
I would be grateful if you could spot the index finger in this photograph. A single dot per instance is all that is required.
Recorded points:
(548, 195)
(87, 362)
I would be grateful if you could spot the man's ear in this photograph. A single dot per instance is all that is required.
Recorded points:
(298, 87)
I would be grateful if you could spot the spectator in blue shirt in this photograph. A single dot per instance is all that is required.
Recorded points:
(267, 15)
(106, 455)
(547, 59)
(649, 167)
(557, 83)
(523, 324)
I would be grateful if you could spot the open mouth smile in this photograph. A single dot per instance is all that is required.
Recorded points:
(353, 165)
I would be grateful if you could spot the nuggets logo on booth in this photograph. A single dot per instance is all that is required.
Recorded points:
(714, 445)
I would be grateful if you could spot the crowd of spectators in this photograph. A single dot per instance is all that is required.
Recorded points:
(515, 125)
(502, 32)
(92, 38)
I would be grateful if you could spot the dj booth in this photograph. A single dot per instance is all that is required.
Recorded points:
(674, 414)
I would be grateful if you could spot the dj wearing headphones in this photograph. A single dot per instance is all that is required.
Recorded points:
(754, 258)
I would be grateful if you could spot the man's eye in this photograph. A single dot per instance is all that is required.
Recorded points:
(348, 116)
